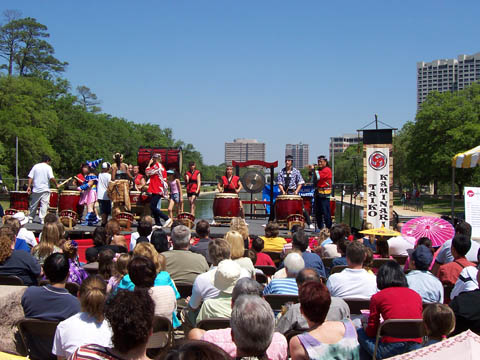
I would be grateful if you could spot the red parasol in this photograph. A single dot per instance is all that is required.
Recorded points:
(436, 229)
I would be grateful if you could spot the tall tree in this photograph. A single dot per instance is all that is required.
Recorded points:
(88, 99)
(23, 46)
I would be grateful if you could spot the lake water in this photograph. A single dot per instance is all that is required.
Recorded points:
(205, 209)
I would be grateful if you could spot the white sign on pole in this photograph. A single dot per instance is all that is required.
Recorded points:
(378, 187)
(472, 209)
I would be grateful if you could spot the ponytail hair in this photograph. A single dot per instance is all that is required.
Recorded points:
(118, 159)
(92, 296)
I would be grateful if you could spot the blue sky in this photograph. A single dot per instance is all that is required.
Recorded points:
(278, 71)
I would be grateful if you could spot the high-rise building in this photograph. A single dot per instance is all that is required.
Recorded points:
(299, 153)
(341, 143)
(244, 150)
(446, 75)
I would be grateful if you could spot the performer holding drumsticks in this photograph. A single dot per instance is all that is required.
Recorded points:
(230, 183)
(290, 182)
(322, 180)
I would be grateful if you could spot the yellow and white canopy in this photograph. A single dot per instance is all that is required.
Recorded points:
(467, 159)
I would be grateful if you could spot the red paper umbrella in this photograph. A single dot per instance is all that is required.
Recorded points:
(436, 229)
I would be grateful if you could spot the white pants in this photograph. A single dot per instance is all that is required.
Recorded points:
(44, 199)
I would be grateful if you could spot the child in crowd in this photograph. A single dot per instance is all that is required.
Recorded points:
(273, 242)
(383, 251)
(176, 195)
(159, 241)
(439, 322)
(120, 269)
(342, 249)
(368, 262)
(105, 263)
(261, 258)
(76, 273)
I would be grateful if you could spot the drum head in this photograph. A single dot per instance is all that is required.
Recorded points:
(289, 197)
(226, 196)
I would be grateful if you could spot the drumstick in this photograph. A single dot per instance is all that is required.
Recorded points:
(63, 183)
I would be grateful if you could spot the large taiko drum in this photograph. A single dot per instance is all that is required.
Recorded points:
(307, 204)
(19, 200)
(68, 207)
(187, 219)
(53, 204)
(286, 205)
(225, 207)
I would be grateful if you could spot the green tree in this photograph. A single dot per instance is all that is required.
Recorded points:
(402, 172)
(88, 99)
(23, 46)
(349, 166)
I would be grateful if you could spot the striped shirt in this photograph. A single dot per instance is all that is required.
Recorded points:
(287, 286)
(93, 352)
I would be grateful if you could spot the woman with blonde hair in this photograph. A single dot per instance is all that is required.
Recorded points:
(49, 243)
(237, 253)
(239, 224)
(89, 325)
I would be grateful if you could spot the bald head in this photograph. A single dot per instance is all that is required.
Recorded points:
(307, 274)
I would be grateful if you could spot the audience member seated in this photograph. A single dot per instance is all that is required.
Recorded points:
(89, 325)
(342, 250)
(195, 350)
(445, 254)
(106, 264)
(312, 260)
(14, 225)
(143, 233)
(237, 252)
(203, 231)
(327, 339)
(422, 241)
(294, 263)
(439, 322)
(399, 245)
(130, 315)
(383, 251)
(227, 274)
(271, 240)
(354, 281)
(467, 280)
(113, 234)
(159, 239)
(218, 250)
(100, 244)
(119, 270)
(369, 240)
(23, 233)
(293, 318)
(239, 224)
(76, 273)
(18, 262)
(223, 337)
(423, 281)
(262, 258)
(142, 272)
(448, 273)
(182, 264)
(466, 309)
(394, 301)
(337, 233)
(51, 301)
(253, 327)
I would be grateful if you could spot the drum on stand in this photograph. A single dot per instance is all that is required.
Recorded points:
(68, 207)
(53, 203)
(295, 219)
(187, 219)
(18, 202)
(286, 205)
(140, 203)
(125, 220)
(225, 207)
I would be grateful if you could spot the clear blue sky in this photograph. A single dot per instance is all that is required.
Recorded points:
(279, 71)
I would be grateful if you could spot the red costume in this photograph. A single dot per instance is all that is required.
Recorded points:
(232, 185)
(157, 175)
(324, 180)
(192, 186)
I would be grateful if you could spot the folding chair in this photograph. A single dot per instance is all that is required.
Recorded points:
(185, 290)
(276, 301)
(37, 337)
(377, 263)
(356, 305)
(214, 323)
(399, 328)
(267, 269)
(275, 256)
(162, 334)
(337, 269)
(447, 290)
(10, 280)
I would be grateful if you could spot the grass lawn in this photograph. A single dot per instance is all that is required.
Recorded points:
(439, 205)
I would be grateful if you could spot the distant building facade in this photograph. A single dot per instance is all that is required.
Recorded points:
(244, 150)
(339, 144)
(446, 75)
(299, 153)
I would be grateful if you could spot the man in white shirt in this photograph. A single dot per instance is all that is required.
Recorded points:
(40, 177)
(353, 282)
(104, 202)
(399, 245)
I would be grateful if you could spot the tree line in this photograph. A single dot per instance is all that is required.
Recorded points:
(38, 107)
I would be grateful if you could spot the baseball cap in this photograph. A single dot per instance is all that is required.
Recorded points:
(20, 216)
(423, 257)
(156, 155)
(105, 165)
(226, 276)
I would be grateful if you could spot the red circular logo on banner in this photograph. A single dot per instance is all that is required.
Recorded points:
(378, 160)
(470, 193)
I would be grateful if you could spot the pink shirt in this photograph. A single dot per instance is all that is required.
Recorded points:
(223, 338)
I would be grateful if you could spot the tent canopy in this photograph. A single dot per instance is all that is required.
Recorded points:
(467, 159)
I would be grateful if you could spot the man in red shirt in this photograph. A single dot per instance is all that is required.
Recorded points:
(158, 187)
(322, 180)
(448, 273)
